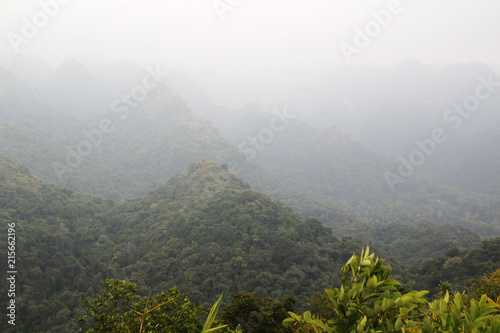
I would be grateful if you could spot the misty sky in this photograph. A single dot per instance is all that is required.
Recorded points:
(265, 40)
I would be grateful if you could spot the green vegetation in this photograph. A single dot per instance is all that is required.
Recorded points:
(209, 234)
(119, 309)
(60, 247)
(336, 180)
(488, 285)
(332, 169)
(256, 314)
(160, 221)
(205, 233)
(460, 267)
(415, 242)
(367, 300)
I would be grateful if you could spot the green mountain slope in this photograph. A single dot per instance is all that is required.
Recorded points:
(330, 167)
(203, 231)
(208, 233)
(459, 267)
(155, 141)
(60, 244)
(148, 144)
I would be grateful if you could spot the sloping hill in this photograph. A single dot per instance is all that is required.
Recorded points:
(203, 231)
(328, 166)
(60, 247)
(147, 145)
(209, 233)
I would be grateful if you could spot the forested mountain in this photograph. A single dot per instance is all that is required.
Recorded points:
(249, 166)
(203, 231)
(61, 247)
(30, 131)
(206, 230)
(202, 104)
(330, 167)
(413, 243)
(152, 142)
(145, 145)
(461, 267)
(144, 129)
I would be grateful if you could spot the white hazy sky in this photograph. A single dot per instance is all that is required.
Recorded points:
(258, 36)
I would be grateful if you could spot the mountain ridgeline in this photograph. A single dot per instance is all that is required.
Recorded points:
(203, 231)
(116, 171)
(124, 151)
(129, 146)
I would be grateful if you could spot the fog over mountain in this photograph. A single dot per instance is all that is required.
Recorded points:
(252, 50)
(248, 148)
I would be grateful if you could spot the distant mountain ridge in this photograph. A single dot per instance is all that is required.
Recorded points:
(150, 142)
(156, 135)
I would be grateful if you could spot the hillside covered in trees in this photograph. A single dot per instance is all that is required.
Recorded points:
(249, 166)
(204, 231)
(167, 200)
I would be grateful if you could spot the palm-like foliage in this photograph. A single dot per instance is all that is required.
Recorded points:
(367, 300)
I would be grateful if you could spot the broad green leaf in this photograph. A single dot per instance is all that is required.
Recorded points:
(212, 315)
(399, 324)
